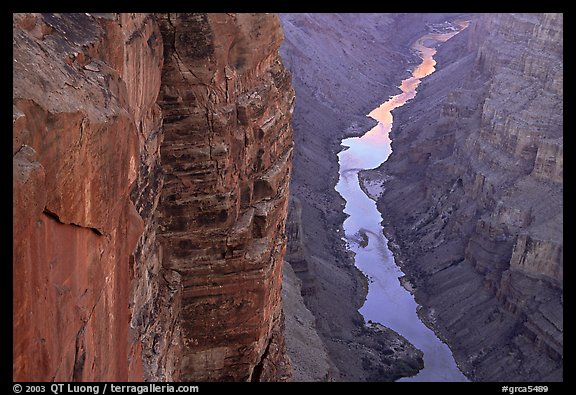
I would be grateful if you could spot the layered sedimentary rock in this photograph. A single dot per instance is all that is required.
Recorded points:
(227, 103)
(477, 164)
(308, 356)
(143, 250)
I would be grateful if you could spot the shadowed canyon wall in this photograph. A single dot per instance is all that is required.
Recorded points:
(477, 163)
(343, 66)
(151, 161)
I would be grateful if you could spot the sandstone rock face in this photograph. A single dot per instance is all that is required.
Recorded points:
(227, 103)
(477, 163)
(151, 158)
(82, 105)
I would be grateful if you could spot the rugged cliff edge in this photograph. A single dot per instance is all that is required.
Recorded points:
(227, 103)
(151, 161)
(477, 163)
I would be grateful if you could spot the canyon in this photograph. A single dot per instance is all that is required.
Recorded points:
(477, 162)
(471, 196)
(387, 302)
(151, 160)
(175, 216)
(343, 66)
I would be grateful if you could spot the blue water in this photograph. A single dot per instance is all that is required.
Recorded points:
(387, 302)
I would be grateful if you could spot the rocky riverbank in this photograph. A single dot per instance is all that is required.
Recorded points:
(477, 166)
(343, 66)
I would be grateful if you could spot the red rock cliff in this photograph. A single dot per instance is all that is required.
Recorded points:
(227, 102)
(151, 156)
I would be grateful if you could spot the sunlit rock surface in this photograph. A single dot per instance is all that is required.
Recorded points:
(151, 160)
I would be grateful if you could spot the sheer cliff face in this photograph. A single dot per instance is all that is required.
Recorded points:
(482, 167)
(227, 102)
(84, 103)
(144, 251)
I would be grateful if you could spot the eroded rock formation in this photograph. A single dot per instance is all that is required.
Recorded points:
(227, 103)
(343, 66)
(310, 361)
(81, 107)
(477, 163)
(151, 159)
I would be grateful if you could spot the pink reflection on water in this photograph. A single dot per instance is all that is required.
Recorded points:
(383, 113)
(387, 302)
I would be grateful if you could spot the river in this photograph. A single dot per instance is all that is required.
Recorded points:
(387, 302)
